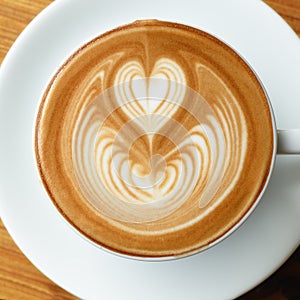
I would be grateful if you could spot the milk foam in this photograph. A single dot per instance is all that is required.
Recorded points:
(149, 143)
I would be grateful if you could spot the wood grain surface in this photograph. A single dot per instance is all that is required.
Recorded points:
(19, 279)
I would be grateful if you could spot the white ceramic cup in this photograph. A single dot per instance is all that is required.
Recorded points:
(285, 142)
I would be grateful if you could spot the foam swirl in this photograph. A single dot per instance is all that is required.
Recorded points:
(134, 161)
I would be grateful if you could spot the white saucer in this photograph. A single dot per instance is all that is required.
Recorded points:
(233, 267)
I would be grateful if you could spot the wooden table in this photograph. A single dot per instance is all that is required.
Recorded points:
(19, 279)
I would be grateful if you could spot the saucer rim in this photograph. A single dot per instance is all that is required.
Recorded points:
(2, 209)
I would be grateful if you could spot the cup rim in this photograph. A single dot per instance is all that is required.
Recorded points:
(237, 225)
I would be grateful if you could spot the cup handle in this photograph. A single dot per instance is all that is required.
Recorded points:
(288, 141)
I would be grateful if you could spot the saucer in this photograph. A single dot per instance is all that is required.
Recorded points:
(227, 270)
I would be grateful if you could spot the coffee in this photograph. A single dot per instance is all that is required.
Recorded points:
(154, 139)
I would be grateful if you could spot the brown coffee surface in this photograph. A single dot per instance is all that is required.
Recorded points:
(198, 190)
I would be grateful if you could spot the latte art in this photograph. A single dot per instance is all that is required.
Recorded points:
(135, 162)
(149, 142)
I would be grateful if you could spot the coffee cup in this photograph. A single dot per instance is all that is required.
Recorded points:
(157, 140)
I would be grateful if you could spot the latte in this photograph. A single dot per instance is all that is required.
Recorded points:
(154, 139)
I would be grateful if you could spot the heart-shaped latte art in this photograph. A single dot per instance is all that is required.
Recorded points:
(139, 162)
(143, 94)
